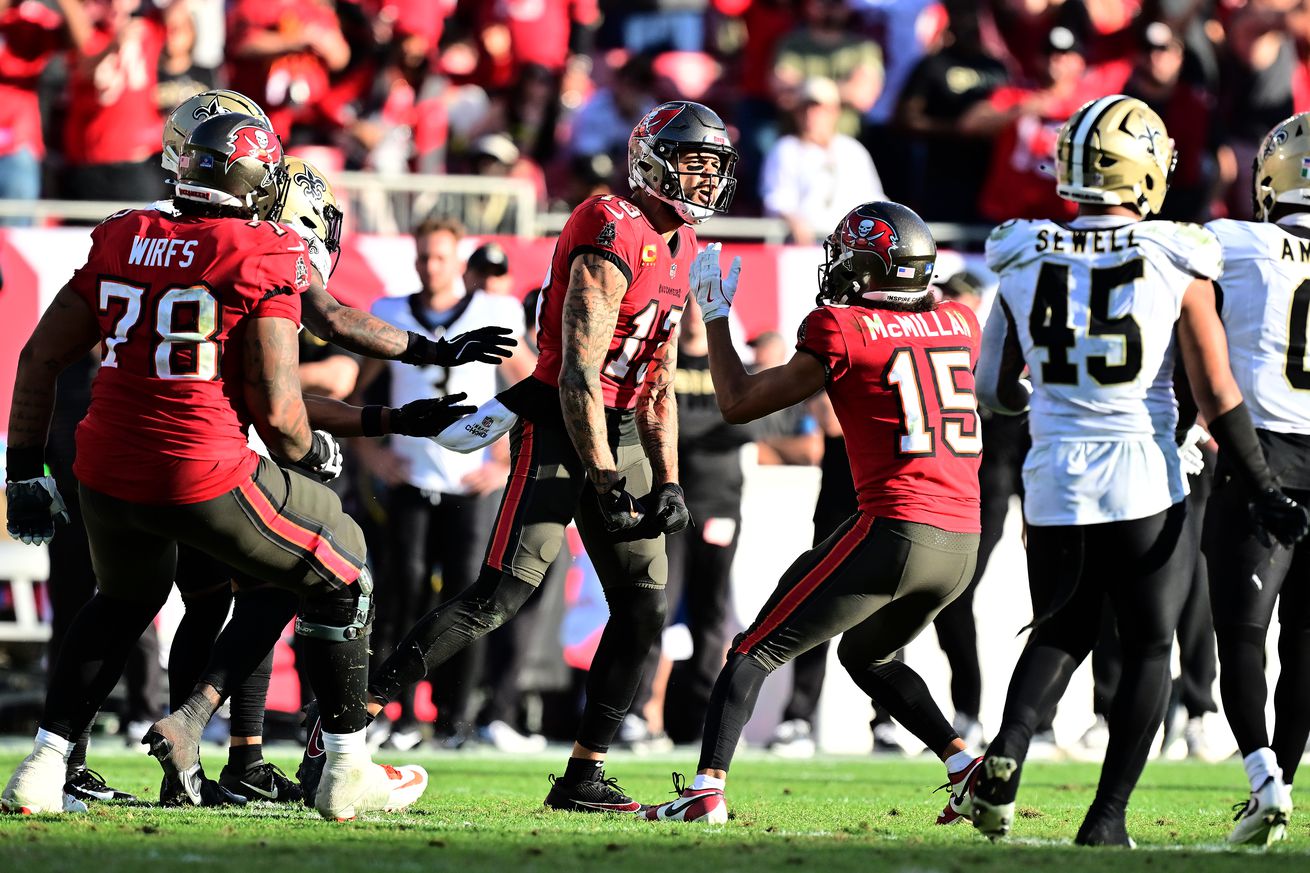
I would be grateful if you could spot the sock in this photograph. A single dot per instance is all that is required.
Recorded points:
(193, 715)
(957, 762)
(77, 757)
(583, 770)
(245, 758)
(45, 740)
(703, 781)
(352, 743)
(1260, 765)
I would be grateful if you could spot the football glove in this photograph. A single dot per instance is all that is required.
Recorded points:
(619, 511)
(485, 345)
(669, 514)
(323, 460)
(34, 507)
(714, 291)
(429, 417)
(1190, 456)
(1278, 518)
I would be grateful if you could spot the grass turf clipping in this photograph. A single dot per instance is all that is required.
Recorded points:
(484, 813)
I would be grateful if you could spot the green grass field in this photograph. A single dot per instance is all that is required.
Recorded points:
(484, 813)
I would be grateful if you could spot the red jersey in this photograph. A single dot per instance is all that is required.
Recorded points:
(113, 115)
(652, 307)
(168, 418)
(29, 35)
(901, 384)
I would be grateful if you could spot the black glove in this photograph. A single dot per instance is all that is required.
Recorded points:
(668, 515)
(619, 510)
(486, 345)
(34, 507)
(427, 418)
(323, 460)
(1276, 516)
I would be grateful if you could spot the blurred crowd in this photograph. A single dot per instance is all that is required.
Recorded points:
(951, 107)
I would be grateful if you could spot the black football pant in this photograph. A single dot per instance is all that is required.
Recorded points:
(699, 587)
(876, 581)
(1071, 571)
(420, 534)
(1247, 582)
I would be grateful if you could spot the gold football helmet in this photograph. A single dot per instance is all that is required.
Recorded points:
(1115, 150)
(307, 202)
(1281, 171)
(194, 110)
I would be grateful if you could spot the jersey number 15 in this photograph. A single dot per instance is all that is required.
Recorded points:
(958, 406)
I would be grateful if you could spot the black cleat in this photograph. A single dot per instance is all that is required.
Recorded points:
(88, 786)
(595, 795)
(310, 771)
(196, 790)
(1104, 830)
(263, 782)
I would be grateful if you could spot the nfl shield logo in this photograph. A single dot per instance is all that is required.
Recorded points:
(673, 269)
(1305, 168)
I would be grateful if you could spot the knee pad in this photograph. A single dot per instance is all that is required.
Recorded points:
(339, 615)
(1229, 633)
(642, 611)
(1145, 651)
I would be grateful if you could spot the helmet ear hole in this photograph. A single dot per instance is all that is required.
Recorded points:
(1150, 183)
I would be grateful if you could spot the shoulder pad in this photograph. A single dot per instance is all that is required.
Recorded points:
(1006, 243)
(1189, 247)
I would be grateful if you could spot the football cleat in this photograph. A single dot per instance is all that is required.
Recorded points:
(196, 789)
(960, 802)
(593, 795)
(505, 738)
(793, 738)
(37, 786)
(1104, 830)
(312, 762)
(263, 782)
(347, 790)
(87, 785)
(992, 800)
(1262, 819)
(692, 804)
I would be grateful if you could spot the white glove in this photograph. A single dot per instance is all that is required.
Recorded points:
(34, 507)
(1190, 457)
(714, 291)
(490, 422)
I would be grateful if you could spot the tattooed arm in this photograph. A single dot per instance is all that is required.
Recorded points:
(657, 413)
(352, 329)
(272, 387)
(66, 332)
(591, 312)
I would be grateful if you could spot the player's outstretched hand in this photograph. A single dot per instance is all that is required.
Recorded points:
(484, 345)
(323, 461)
(34, 507)
(429, 417)
(714, 291)
(1279, 518)
(619, 510)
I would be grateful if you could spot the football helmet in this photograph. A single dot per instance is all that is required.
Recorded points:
(658, 140)
(880, 252)
(232, 160)
(1281, 170)
(1115, 150)
(306, 201)
(185, 118)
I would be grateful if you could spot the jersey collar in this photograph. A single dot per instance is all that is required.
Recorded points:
(1098, 221)
(1300, 219)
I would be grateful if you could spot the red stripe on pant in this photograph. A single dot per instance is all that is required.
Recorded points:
(518, 483)
(301, 538)
(809, 583)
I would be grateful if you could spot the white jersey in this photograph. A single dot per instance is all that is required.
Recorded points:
(1265, 306)
(1092, 305)
(431, 467)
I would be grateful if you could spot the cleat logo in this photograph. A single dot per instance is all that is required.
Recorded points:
(271, 795)
(314, 745)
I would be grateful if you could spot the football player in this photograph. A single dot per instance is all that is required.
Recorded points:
(1265, 307)
(593, 437)
(1090, 307)
(898, 368)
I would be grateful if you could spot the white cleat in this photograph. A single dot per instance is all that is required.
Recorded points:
(793, 739)
(993, 819)
(347, 791)
(37, 786)
(692, 804)
(505, 738)
(1262, 820)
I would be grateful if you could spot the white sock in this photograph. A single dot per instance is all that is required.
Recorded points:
(1260, 765)
(346, 744)
(957, 762)
(703, 781)
(53, 742)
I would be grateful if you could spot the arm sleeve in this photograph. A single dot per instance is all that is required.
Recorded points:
(1000, 341)
(604, 228)
(820, 335)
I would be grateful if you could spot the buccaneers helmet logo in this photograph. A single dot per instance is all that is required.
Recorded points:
(254, 142)
(872, 235)
(657, 119)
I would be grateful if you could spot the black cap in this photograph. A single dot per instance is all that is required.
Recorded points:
(490, 259)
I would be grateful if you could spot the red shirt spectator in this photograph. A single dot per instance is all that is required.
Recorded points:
(767, 22)
(280, 53)
(29, 35)
(112, 113)
(519, 33)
